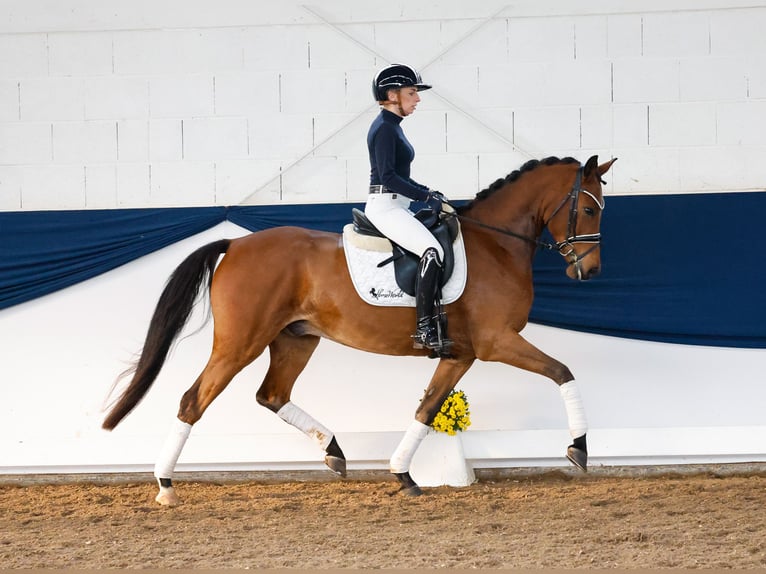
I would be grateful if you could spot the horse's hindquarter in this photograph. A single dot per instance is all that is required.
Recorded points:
(289, 275)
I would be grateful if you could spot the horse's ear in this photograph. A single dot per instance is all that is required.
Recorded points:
(604, 167)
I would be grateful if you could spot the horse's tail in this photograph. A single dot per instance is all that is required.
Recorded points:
(171, 314)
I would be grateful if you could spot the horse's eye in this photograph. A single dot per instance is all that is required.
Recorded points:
(589, 211)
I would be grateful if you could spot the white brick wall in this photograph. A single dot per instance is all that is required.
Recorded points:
(131, 105)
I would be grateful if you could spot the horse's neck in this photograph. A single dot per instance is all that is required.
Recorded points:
(518, 210)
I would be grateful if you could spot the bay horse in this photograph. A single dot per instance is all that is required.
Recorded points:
(287, 287)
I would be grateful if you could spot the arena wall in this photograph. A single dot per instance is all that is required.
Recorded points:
(119, 105)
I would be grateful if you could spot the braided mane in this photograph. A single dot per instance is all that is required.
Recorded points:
(514, 175)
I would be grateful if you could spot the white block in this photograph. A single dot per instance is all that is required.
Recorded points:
(246, 93)
(489, 131)
(37, 104)
(741, 123)
(596, 126)
(178, 51)
(624, 35)
(116, 97)
(591, 38)
(464, 45)
(546, 130)
(691, 124)
(331, 49)
(174, 96)
(85, 142)
(755, 167)
(713, 79)
(357, 178)
(341, 135)
(11, 184)
(315, 180)
(236, 180)
(80, 54)
(756, 76)
(458, 84)
(672, 35)
(418, 37)
(9, 100)
(277, 48)
(645, 170)
(711, 169)
(577, 82)
(630, 125)
(133, 185)
(25, 143)
(426, 131)
(133, 140)
(440, 461)
(738, 33)
(646, 80)
(541, 39)
(359, 90)
(280, 135)
(165, 140)
(455, 175)
(311, 90)
(512, 86)
(101, 186)
(23, 55)
(214, 138)
(182, 183)
(54, 187)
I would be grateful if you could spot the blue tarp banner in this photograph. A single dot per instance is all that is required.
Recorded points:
(675, 268)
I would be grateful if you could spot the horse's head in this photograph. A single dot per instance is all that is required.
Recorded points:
(575, 223)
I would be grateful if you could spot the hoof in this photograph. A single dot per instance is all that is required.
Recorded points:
(167, 496)
(407, 485)
(578, 457)
(336, 464)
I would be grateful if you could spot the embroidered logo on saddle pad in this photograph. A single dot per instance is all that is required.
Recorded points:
(377, 285)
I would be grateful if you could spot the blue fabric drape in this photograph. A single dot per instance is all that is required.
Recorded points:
(676, 268)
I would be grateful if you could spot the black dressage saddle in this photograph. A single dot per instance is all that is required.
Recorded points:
(443, 226)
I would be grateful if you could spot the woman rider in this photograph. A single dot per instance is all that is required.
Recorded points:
(392, 191)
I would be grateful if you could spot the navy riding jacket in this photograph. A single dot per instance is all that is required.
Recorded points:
(390, 157)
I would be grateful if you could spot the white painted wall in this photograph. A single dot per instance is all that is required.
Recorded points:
(118, 103)
(124, 103)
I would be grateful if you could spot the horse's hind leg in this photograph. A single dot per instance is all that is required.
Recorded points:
(289, 355)
(218, 373)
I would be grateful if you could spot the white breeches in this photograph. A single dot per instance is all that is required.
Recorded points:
(390, 213)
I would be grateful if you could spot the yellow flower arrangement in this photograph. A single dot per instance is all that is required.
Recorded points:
(454, 415)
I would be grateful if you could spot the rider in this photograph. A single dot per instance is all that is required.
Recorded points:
(392, 191)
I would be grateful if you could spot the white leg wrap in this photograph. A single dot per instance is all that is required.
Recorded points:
(578, 426)
(402, 457)
(305, 422)
(174, 444)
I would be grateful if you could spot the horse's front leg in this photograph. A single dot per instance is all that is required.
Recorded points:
(448, 373)
(514, 350)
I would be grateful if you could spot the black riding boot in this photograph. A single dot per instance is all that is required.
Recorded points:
(427, 284)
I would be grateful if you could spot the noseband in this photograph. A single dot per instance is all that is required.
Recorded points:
(565, 247)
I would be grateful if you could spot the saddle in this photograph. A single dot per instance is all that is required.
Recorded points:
(444, 229)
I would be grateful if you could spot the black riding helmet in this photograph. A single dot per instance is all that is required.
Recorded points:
(396, 76)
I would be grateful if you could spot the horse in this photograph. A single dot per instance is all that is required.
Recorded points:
(287, 287)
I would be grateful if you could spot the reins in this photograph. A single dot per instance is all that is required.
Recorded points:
(571, 255)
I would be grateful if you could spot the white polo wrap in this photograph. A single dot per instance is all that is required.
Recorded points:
(171, 450)
(578, 425)
(303, 421)
(402, 457)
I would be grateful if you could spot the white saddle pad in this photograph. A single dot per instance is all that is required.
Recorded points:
(377, 285)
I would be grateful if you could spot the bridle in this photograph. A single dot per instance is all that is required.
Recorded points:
(565, 247)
